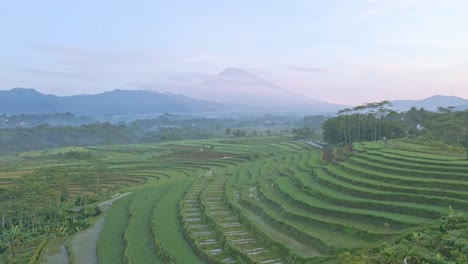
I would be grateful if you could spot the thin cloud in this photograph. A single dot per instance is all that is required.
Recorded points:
(60, 74)
(69, 55)
(309, 69)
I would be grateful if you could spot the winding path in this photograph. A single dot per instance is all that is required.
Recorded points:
(83, 245)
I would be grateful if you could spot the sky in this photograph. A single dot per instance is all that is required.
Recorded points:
(340, 51)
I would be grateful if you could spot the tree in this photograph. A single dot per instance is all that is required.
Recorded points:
(100, 169)
(331, 131)
(36, 195)
(382, 111)
(8, 196)
(361, 125)
(83, 179)
(358, 109)
(344, 114)
(302, 133)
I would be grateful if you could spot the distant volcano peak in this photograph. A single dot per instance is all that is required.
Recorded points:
(236, 72)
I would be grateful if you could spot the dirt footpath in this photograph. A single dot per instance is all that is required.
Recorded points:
(55, 252)
(83, 245)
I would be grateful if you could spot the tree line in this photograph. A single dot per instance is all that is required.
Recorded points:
(376, 121)
(366, 122)
(166, 127)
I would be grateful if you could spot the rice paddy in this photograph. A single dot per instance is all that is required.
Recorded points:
(264, 200)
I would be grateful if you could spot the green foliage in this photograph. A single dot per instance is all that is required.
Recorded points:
(45, 137)
(452, 221)
(352, 125)
(445, 245)
(348, 258)
(39, 206)
(239, 133)
(303, 133)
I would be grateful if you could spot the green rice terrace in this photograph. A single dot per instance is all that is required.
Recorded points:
(247, 200)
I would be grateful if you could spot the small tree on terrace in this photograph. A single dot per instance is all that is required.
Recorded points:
(100, 170)
(83, 179)
(382, 111)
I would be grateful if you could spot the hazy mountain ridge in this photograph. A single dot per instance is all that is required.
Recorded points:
(243, 87)
(30, 101)
(236, 86)
(432, 103)
(232, 90)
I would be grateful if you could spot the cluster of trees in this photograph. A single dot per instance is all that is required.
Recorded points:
(57, 119)
(236, 132)
(216, 124)
(40, 205)
(178, 121)
(375, 121)
(447, 125)
(44, 136)
(254, 133)
(166, 127)
(366, 122)
(302, 133)
(174, 133)
(14, 140)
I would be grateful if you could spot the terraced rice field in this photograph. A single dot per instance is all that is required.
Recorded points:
(277, 202)
(269, 200)
(148, 226)
(292, 205)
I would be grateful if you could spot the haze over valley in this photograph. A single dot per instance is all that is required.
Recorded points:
(229, 132)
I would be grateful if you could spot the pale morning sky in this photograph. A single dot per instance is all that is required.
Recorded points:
(348, 51)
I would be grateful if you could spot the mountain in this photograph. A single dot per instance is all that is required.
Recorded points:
(30, 101)
(25, 101)
(235, 86)
(235, 89)
(236, 73)
(431, 103)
